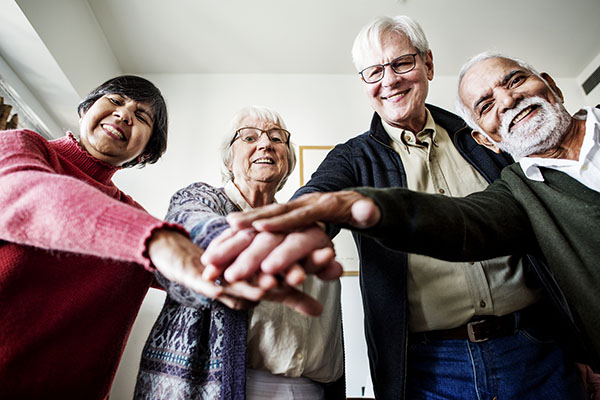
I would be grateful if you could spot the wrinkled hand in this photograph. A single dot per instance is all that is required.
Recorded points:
(5, 122)
(179, 260)
(343, 207)
(240, 255)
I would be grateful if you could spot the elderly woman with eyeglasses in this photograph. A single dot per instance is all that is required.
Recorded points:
(200, 348)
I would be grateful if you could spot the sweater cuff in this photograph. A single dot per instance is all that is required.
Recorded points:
(146, 261)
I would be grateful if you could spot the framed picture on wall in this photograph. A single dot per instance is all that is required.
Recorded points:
(309, 159)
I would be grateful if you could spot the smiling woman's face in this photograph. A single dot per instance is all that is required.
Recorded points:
(262, 161)
(116, 129)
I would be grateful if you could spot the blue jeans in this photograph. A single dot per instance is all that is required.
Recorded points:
(527, 365)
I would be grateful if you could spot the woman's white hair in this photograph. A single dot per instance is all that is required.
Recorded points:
(259, 113)
(461, 109)
(371, 34)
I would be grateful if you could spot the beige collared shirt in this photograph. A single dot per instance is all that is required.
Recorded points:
(285, 342)
(442, 294)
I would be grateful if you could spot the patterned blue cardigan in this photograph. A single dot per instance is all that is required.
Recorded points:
(197, 347)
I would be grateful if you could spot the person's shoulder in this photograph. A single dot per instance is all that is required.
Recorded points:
(23, 135)
(513, 172)
(437, 110)
(200, 187)
(357, 140)
(202, 192)
(352, 147)
(205, 186)
(23, 141)
(198, 195)
(445, 117)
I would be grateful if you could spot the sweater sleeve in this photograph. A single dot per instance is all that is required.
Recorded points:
(43, 206)
(201, 209)
(480, 226)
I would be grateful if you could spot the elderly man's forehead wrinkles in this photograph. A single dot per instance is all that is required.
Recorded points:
(501, 82)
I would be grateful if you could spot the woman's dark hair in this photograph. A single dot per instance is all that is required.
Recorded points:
(142, 90)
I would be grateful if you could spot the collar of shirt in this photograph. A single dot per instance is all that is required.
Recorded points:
(234, 195)
(531, 165)
(407, 138)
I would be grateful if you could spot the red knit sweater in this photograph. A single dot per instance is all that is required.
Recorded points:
(72, 274)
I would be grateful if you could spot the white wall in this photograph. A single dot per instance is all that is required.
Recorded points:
(593, 97)
(318, 109)
(27, 97)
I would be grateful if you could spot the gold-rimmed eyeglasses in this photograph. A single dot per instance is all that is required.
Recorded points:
(249, 134)
(400, 65)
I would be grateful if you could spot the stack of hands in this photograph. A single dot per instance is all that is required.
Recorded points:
(268, 251)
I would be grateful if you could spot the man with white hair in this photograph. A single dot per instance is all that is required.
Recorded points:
(546, 205)
(416, 307)
(436, 328)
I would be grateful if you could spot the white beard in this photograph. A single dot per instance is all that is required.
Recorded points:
(541, 133)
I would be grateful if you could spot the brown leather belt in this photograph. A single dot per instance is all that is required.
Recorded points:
(479, 330)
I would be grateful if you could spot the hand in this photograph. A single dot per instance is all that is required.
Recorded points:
(344, 207)
(179, 260)
(239, 255)
(5, 122)
(279, 291)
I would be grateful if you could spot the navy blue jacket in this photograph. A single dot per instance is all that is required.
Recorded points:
(369, 160)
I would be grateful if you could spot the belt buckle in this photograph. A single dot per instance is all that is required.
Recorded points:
(471, 332)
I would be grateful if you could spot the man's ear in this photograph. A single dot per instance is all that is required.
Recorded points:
(429, 64)
(485, 141)
(552, 85)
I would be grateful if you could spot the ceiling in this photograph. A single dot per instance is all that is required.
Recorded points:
(61, 49)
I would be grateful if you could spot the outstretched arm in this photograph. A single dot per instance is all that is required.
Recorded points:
(346, 207)
(243, 251)
(483, 225)
(44, 208)
(201, 209)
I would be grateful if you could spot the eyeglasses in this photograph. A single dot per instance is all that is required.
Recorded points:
(250, 135)
(400, 65)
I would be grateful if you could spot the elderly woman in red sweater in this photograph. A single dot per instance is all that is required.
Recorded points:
(75, 251)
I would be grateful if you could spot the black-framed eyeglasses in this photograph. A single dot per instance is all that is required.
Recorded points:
(400, 65)
(249, 134)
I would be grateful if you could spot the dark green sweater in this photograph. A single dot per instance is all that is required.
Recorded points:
(557, 220)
